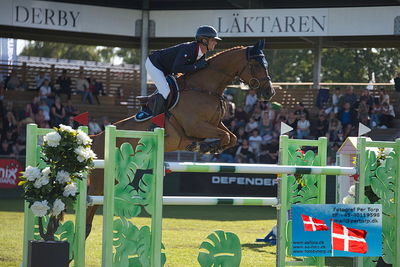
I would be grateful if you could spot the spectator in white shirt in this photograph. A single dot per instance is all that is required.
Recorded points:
(251, 100)
(40, 78)
(255, 141)
(45, 91)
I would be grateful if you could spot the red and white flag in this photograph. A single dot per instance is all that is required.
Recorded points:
(348, 239)
(312, 224)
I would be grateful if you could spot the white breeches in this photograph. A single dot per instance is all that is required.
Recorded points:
(158, 78)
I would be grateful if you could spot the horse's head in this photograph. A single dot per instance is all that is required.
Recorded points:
(255, 72)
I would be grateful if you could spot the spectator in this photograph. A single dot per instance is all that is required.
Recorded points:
(383, 97)
(241, 116)
(265, 124)
(45, 91)
(71, 122)
(64, 81)
(369, 99)
(375, 113)
(251, 125)
(251, 100)
(40, 78)
(94, 127)
(40, 119)
(322, 126)
(241, 136)
(244, 153)
(300, 109)
(93, 88)
(82, 88)
(332, 152)
(397, 89)
(303, 127)
(10, 122)
(11, 136)
(335, 131)
(70, 110)
(5, 148)
(58, 115)
(19, 149)
(255, 141)
(348, 118)
(334, 100)
(26, 116)
(13, 82)
(270, 152)
(46, 110)
(35, 104)
(226, 156)
(104, 123)
(387, 115)
(96, 88)
(348, 97)
(363, 107)
(256, 112)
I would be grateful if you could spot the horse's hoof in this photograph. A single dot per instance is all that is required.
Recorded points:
(193, 147)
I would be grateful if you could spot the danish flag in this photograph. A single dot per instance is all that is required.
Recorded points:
(348, 239)
(312, 224)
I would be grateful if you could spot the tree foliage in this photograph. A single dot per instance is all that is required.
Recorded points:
(80, 52)
(338, 64)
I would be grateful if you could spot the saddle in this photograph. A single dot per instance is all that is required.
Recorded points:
(172, 100)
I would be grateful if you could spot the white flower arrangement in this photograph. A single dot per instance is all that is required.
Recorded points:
(70, 190)
(351, 197)
(52, 139)
(50, 190)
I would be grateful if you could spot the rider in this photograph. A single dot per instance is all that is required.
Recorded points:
(182, 58)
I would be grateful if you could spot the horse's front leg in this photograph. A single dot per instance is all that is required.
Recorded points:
(232, 137)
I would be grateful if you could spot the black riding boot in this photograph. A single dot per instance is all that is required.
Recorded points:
(158, 105)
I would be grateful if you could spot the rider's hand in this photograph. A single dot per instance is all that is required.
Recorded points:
(201, 64)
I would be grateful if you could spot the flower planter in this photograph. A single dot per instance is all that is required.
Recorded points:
(48, 254)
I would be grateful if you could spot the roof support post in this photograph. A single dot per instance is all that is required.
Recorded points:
(317, 63)
(144, 46)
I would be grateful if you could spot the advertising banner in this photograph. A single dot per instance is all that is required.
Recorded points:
(10, 172)
(337, 230)
(228, 184)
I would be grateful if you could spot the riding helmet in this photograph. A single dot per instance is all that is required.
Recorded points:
(206, 31)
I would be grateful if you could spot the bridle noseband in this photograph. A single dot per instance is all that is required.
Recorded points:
(252, 73)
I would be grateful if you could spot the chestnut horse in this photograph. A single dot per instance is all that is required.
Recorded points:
(198, 115)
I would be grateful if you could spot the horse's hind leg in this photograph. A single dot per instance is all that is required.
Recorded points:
(176, 139)
(207, 130)
(95, 189)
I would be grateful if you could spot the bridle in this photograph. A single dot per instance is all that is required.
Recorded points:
(251, 62)
(252, 73)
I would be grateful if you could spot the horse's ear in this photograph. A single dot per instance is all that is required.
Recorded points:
(261, 44)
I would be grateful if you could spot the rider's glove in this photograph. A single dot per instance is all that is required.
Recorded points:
(201, 64)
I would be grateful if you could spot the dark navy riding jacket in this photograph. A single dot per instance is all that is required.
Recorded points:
(176, 59)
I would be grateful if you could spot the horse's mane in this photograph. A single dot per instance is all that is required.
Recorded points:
(180, 75)
(225, 51)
